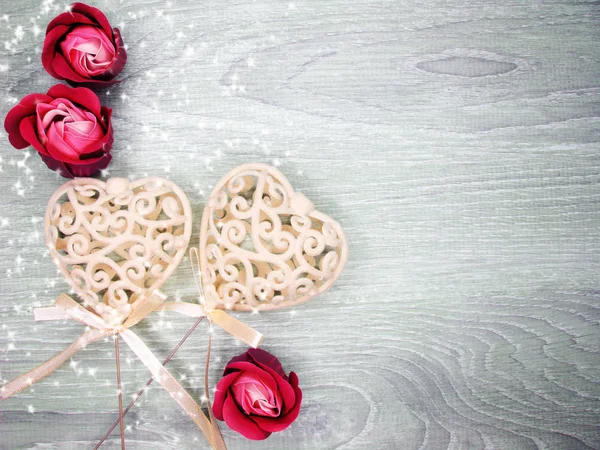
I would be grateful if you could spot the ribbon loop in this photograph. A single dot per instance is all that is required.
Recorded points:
(241, 331)
(77, 312)
(67, 308)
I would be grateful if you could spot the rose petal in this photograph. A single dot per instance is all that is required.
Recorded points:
(94, 83)
(241, 423)
(88, 158)
(84, 129)
(30, 101)
(254, 396)
(79, 95)
(27, 131)
(118, 61)
(24, 108)
(94, 14)
(243, 357)
(77, 114)
(293, 413)
(281, 423)
(49, 48)
(221, 392)
(78, 129)
(247, 381)
(249, 367)
(283, 385)
(104, 56)
(266, 359)
(105, 116)
(88, 34)
(90, 44)
(48, 113)
(15, 137)
(82, 144)
(69, 19)
(64, 71)
(58, 148)
(17, 141)
(88, 50)
(54, 62)
(82, 170)
(89, 169)
(58, 166)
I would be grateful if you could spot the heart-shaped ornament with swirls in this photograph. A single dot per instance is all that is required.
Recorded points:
(264, 246)
(117, 241)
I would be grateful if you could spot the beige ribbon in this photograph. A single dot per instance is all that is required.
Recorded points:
(100, 329)
(67, 308)
(240, 330)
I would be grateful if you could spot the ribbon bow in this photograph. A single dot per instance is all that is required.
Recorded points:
(207, 308)
(67, 308)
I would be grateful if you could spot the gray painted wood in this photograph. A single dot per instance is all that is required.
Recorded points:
(456, 142)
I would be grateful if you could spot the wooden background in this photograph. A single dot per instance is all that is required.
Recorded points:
(457, 142)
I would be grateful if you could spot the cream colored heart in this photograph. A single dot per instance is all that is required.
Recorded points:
(116, 242)
(264, 246)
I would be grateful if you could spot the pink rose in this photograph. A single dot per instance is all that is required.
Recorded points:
(82, 47)
(67, 126)
(255, 397)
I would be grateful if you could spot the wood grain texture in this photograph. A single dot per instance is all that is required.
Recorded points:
(456, 142)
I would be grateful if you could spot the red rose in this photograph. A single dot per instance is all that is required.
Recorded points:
(255, 397)
(82, 48)
(67, 126)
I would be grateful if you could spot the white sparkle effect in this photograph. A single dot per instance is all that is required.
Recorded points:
(166, 93)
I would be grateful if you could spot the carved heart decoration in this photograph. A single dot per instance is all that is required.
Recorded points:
(264, 246)
(116, 242)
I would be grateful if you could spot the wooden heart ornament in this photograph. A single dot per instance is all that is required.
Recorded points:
(117, 241)
(264, 246)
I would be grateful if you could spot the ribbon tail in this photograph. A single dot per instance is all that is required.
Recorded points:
(218, 437)
(175, 390)
(240, 330)
(50, 313)
(187, 309)
(79, 313)
(43, 370)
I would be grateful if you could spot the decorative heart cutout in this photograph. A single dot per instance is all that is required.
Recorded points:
(116, 242)
(264, 246)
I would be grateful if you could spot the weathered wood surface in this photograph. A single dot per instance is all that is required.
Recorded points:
(456, 142)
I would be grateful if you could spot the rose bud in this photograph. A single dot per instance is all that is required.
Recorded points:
(255, 397)
(67, 126)
(82, 48)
